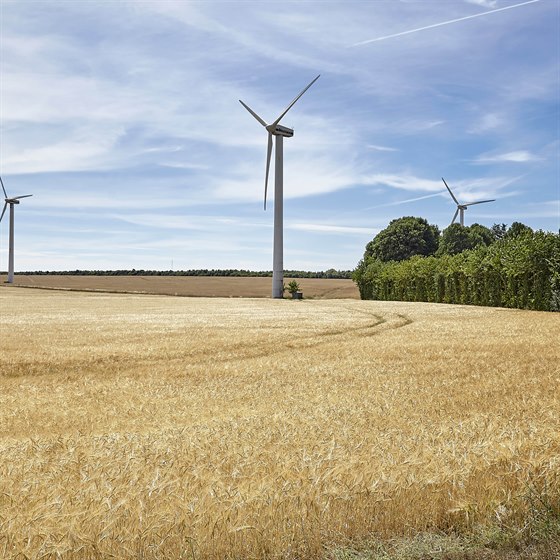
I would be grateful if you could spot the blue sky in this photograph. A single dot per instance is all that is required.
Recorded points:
(123, 120)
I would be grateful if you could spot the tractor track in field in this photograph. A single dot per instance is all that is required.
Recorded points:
(236, 352)
(318, 339)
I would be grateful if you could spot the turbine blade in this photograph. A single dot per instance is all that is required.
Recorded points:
(479, 202)
(273, 125)
(21, 196)
(454, 216)
(2, 182)
(452, 195)
(3, 211)
(268, 156)
(252, 113)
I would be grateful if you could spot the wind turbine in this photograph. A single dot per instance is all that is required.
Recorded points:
(462, 207)
(275, 129)
(11, 202)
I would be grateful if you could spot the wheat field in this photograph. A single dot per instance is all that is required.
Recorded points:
(138, 426)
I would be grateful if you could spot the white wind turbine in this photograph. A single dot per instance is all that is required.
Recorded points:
(462, 207)
(275, 129)
(11, 202)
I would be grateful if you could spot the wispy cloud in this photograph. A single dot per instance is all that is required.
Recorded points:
(381, 148)
(403, 182)
(327, 228)
(487, 122)
(483, 3)
(549, 209)
(519, 156)
(467, 190)
(440, 24)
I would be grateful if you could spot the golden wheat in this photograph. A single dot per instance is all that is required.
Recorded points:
(154, 427)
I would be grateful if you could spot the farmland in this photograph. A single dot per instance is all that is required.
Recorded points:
(141, 426)
(193, 286)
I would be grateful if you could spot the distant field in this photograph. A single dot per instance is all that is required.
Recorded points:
(202, 286)
(140, 426)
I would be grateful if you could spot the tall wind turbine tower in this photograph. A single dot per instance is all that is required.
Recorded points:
(11, 202)
(462, 207)
(280, 132)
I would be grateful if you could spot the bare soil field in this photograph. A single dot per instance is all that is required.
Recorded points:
(194, 286)
(141, 426)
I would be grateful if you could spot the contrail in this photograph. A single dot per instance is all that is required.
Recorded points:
(398, 202)
(443, 23)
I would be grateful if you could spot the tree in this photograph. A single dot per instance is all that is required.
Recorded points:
(499, 231)
(293, 287)
(402, 239)
(457, 238)
(481, 235)
(454, 239)
(517, 228)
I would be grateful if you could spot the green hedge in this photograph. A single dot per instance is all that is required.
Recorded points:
(521, 272)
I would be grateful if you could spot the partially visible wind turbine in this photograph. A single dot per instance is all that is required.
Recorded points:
(462, 207)
(275, 129)
(11, 202)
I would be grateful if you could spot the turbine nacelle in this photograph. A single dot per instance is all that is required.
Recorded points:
(280, 130)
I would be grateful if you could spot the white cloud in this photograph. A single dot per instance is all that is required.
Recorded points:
(328, 228)
(533, 210)
(483, 3)
(304, 175)
(487, 122)
(404, 182)
(466, 190)
(87, 148)
(189, 221)
(381, 148)
(519, 156)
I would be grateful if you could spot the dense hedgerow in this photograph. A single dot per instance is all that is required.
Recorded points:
(521, 272)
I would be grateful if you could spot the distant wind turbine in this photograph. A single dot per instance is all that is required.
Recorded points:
(11, 202)
(462, 207)
(275, 129)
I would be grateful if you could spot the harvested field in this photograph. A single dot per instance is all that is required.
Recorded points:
(194, 286)
(139, 426)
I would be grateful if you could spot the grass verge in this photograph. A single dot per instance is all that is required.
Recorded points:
(538, 538)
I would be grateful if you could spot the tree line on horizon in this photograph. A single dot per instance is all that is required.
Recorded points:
(411, 260)
(330, 273)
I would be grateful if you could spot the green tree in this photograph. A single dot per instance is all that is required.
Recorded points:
(402, 239)
(454, 239)
(481, 235)
(521, 271)
(293, 287)
(499, 231)
(517, 228)
(457, 238)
